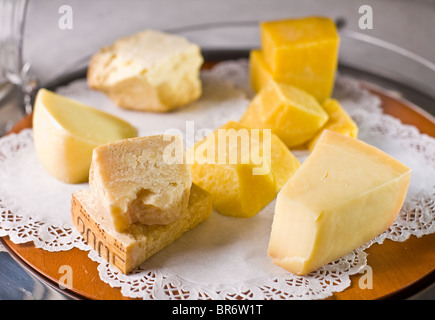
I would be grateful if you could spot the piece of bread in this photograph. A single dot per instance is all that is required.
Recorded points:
(141, 180)
(149, 71)
(126, 251)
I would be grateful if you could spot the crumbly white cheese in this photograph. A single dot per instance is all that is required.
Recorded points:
(149, 71)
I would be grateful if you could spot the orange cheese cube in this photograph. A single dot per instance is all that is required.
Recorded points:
(302, 52)
(241, 168)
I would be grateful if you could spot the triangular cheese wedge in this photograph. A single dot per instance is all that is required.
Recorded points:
(66, 131)
(343, 195)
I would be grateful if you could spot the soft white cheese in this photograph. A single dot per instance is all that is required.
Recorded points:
(150, 71)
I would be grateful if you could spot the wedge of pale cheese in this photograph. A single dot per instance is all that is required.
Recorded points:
(141, 180)
(128, 250)
(343, 195)
(148, 71)
(66, 131)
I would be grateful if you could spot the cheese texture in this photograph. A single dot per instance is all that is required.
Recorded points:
(259, 73)
(141, 180)
(302, 52)
(241, 168)
(339, 121)
(149, 71)
(66, 132)
(292, 114)
(128, 250)
(343, 195)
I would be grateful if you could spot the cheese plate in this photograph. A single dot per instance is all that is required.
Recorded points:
(394, 275)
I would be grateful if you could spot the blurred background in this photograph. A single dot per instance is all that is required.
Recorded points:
(408, 24)
(398, 44)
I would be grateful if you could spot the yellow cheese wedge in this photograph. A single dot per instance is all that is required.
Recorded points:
(141, 180)
(259, 72)
(302, 52)
(339, 121)
(344, 194)
(126, 251)
(241, 168)
(66, 132)
(292, 114)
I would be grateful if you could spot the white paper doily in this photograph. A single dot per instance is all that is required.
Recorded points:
(224, 257)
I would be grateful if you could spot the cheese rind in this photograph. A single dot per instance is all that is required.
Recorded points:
(241, 188)
(148, 71)
(292, 114)
(344, 194)
(137, 181)
(339, 121)
(66, 131)
(128, 250)
(302, 52)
